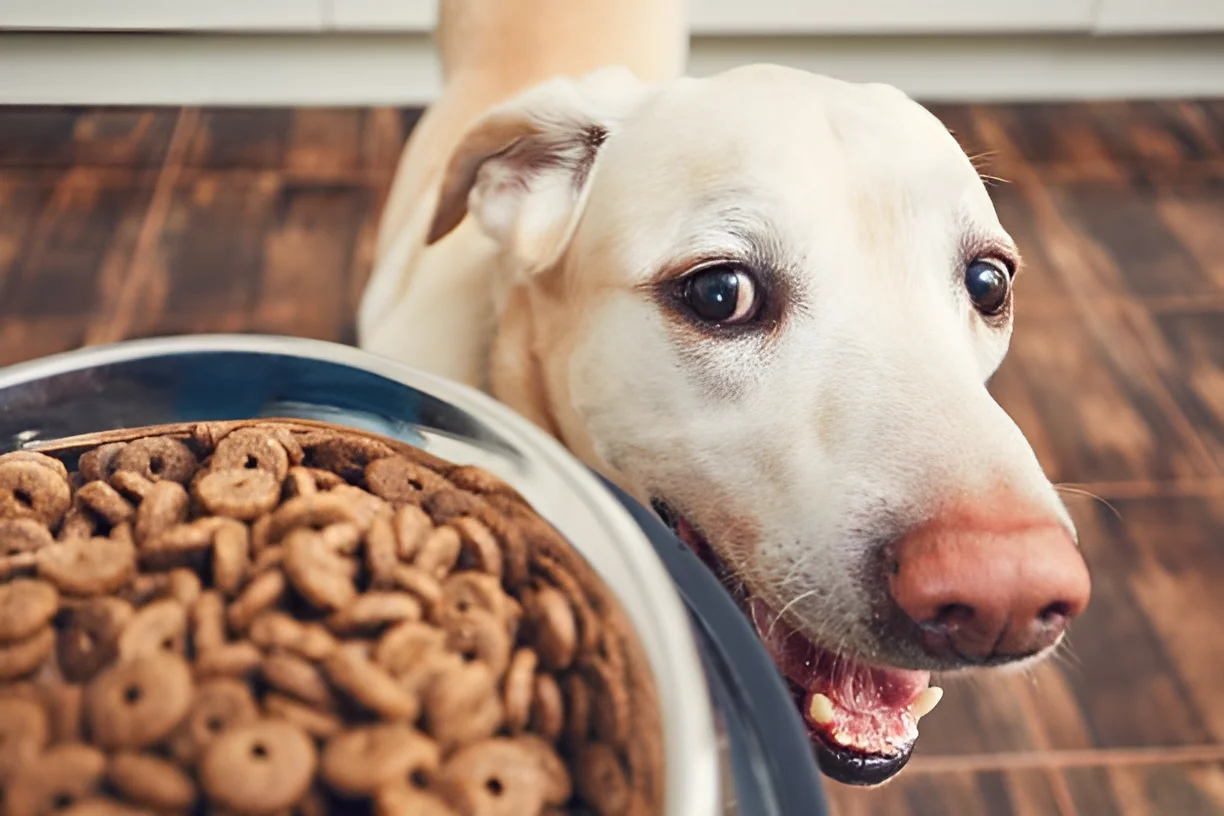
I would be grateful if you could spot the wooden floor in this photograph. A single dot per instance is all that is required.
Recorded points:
(130, 223)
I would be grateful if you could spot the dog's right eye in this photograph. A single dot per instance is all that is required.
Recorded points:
(721, 294)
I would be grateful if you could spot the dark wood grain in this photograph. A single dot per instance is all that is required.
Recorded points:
(125, 222)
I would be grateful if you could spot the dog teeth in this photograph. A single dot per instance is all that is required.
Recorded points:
(820, 710)
(926, 702)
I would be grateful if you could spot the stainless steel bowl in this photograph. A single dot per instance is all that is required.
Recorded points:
(236, 377)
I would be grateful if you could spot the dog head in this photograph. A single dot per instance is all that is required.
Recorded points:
(768, 302)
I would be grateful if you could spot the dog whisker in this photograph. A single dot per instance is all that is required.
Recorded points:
(1079, 491)
(787, 606)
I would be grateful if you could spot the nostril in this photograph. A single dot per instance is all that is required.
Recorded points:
(1057, 612)
(953, 615)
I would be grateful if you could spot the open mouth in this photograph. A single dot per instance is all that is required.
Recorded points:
(862, 719)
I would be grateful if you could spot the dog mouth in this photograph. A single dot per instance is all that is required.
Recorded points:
(862, 719)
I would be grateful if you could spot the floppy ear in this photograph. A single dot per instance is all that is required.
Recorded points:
(522, 169)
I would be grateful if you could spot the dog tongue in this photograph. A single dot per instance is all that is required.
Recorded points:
(857, 707)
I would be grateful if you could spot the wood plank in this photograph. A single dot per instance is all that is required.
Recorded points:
(87, 223)
(63, 137)
(1158, 790)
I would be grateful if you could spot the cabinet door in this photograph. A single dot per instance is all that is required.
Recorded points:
(867, 17)
(163, 15)
(1160, 16)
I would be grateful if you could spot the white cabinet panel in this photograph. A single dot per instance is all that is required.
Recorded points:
(1163, 16)
(888, 16)
(163, 15)
(381, 15)
(765, 17)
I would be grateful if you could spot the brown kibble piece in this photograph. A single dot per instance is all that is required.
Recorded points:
(185, 587)
(90, 639)
(554, 630)
(250, 448)
(316, 723)
(160, 626)
(297, 677)
(497, 777)
(57, 778)
(347, 455)
(130, 484)
(315, 512)
(478, 635)
(24, 731)
(422, 586)
(318, 572)
(601, 781)
(400, 480)
(462, 705)
(98, 463)
(360, 761)
(381, 553)
(611, 708)
(25, 607)
(90, 566)
(23, 535)
(105, 502)
(163, 507)
(151, 781)
(276, 630)
(405, 650)
(261, 594)
(412, 527)
(157, 458)
(208, 621)
(33, 491)
(219, 705)
(351, 671)
(50, 462)
(258, 768)
(547, 708)
(404, 799)
(239, 494)
(237, 659)
(373, 611)
(135, 704)
(519, 689)
(578, 709)
(231, 556)
(22, 657)
(480, 481)
(468, 590)
(479, 547)
(65, 703)
(439, 552)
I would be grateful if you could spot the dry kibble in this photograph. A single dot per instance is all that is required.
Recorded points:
(271, 617)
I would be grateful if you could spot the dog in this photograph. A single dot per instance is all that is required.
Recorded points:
(765, 302)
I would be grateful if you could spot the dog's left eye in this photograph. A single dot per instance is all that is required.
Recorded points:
(988, 284)
(721, 294)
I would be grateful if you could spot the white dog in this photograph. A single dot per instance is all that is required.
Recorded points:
(768, 303)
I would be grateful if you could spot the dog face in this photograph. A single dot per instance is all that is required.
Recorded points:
(768, 302)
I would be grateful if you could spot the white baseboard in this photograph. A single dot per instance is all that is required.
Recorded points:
(399, 69)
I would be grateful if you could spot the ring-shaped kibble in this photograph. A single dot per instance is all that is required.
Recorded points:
(160, 626)
(259, 768)
(87, 566)
(547, 707)
(37, 458)
(588, 628)
(238, 493)
(368, 685)
(99, 463)
(519, 689)
(318, 723)
(462, 705)
(157, 458)
(470, 589)
(132, 705)
(297, 677)
(219, 705)
(480, 481)
(480, 547)
(553, 628)
(250, 449)
(32, 491)
(399, 480)
(445, 505)
(24, 731)
(315, 512)
(407, 646)
(439, 553)
(360, 761)
(497, 777)
(479, 635)
(374, 610)
(610, 702)
(26, 606)
(422, 585)
(90, 638)
(55, 780)
(260, 594)
(319, 573)
(601, 780)
(23, 535)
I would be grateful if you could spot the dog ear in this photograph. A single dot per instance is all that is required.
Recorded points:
(522, 169)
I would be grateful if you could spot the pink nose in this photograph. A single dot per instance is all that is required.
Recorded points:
(984, 591)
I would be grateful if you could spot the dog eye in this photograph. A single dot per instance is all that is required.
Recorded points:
(721, 294)
(988, 284)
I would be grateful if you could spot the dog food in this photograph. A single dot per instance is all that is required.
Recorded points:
(286, 617)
